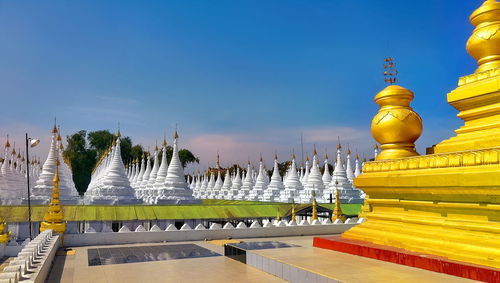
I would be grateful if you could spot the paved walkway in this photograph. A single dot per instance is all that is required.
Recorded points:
(339, 266)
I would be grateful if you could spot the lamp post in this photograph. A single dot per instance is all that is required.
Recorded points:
(29, 143)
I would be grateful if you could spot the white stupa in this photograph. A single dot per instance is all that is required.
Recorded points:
(347, 193)
(175, 189)
(314, 182)
(293, 186)
(257, 192)
(210, 186)
(215, 190)
(305, 178)
(357, 169)
(226, 186)
(327, 178)
(348, 167)
(247, 184)
(276, 186)
(10, 193)
(42, 191)
(235, 187)
(114, 186)
(204, 185)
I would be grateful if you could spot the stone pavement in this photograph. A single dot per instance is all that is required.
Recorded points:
(337, 266)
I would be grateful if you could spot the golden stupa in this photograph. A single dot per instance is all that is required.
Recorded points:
(4, 235)
(53, 218)
(446, 203)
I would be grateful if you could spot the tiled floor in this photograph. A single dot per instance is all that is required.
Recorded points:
(335, 265)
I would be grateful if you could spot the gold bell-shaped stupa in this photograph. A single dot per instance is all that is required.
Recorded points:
(446, 203)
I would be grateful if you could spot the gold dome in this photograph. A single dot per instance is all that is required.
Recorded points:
(396, 126)
(484, 43)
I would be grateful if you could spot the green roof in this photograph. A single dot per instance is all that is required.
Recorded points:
(209, 209)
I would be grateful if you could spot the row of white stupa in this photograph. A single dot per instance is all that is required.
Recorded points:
(294, 186)
(13, 181)
(165, 184)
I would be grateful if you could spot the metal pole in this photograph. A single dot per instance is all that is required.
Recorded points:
(28, 182)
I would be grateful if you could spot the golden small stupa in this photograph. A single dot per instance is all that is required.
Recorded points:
(446, 203)
(54, 218)
(337, 210)
(4, 236)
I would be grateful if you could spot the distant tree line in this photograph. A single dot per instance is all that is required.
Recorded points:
(84, 149)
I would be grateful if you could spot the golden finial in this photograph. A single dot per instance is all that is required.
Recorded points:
(261, 157)
(307, 157)
(348, 149)
(19, 153)
(390, 72)
(118, 134)
(14, 149)
(156, 146)
(176, 135)
(314, 150)
(7, 143)
(218, 160)
(54, 129)
(339, 147)
(356, 156)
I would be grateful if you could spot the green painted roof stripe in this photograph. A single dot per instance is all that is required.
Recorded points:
(211, 209)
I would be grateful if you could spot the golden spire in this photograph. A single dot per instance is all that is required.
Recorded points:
(53, 218)
(156, 146)
(7, 143)
(314, 151)
(390, 72)
(261, 157)
(348, 150)
(54, 129)
(314, 207)
(176, 135)
(118, 134)
(307, 157)
(59, 133)
(484, 43)
(337, 211)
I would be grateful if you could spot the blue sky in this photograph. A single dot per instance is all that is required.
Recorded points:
(241, 77)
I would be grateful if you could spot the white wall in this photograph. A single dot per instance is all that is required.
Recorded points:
(90, 239)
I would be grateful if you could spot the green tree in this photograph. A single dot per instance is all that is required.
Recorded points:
(81, 159)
